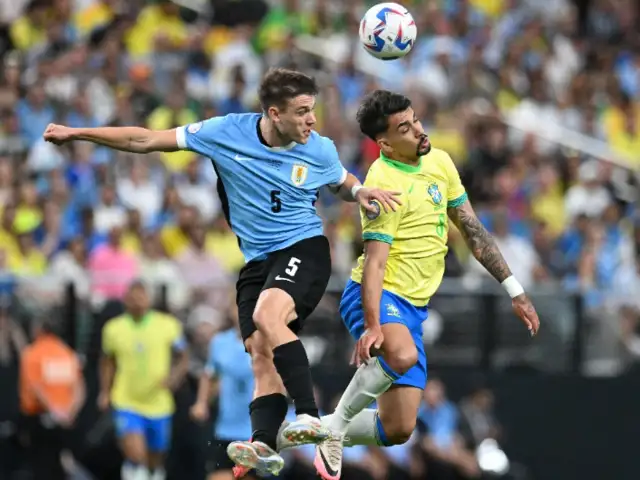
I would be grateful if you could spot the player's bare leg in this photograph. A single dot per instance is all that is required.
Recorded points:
(268, 386)
(277, 353)
(134, 449)
(370, 381)
(156, 466)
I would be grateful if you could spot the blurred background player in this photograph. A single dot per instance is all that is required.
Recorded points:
(228, 376)
(137, 379)
(52, 392)
(271, 166)
(385, 302)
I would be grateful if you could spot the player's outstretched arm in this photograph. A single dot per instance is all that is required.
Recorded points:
(126, 139)
(351, 190)
(484, 249)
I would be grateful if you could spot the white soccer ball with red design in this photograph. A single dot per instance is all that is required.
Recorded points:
(388, 31)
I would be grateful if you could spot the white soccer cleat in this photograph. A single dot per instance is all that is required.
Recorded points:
(328, 461)
(303, 430)
(255, 456)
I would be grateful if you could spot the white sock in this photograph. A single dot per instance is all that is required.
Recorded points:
(362, 429)
(131, 471)
(369, 382)
(158, 474)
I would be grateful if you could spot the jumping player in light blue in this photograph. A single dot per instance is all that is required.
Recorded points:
(270, 168)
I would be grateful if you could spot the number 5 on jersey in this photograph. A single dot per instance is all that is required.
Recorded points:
(291, 270)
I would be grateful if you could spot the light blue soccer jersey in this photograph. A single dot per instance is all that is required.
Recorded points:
(268, 194)
(229, 363)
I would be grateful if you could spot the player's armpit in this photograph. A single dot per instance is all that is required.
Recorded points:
(479, 240)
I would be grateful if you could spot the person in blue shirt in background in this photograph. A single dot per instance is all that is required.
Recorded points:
(228, 375)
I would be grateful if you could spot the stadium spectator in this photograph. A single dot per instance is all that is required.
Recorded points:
(52, 392)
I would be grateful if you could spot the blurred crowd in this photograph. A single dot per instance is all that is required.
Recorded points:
(537, 101)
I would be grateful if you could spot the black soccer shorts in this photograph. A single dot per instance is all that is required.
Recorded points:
(302, 270)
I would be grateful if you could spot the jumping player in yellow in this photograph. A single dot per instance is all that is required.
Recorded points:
(385, 302)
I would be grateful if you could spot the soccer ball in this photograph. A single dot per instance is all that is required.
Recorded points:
(388, 31)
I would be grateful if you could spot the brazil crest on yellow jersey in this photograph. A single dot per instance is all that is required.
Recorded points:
(417, 231)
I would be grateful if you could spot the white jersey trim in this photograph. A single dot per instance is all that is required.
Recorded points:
(181, 137)
(342, 179)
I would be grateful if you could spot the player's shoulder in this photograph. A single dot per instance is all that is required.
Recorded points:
(440, 157)
(239, 120)
(380, 174)
(320, 144)
(115, 323)
(162, 317)
(220, 339)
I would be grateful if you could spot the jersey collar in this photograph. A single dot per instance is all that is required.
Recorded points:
(404, 167)
(143, 321)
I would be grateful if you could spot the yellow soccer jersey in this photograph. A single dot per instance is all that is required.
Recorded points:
(143, 353)
(417, 231)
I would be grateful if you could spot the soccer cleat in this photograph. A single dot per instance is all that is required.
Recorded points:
(255, 456)
(303, 430)
(239, 472)
(328, 461)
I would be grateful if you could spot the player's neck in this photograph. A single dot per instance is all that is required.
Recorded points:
(270, 135)
(396, 157)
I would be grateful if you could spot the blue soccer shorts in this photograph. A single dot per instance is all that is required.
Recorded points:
(156, 431)
(393, 309)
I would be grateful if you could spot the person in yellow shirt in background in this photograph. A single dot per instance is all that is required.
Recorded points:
(137, 380)
(547, 203)
(29, 30)
(8, 241)
(97, 15)
(171, 115)
(222, 243)
(157, 28)
(27, 260)
(175, 238)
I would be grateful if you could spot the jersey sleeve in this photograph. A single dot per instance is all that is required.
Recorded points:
(211, 368)
(178, 340)
(380, 226)
(108, 345)
(200, 137)
(336, 174)
(456, 193)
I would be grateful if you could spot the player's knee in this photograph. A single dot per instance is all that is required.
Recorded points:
(398, 433)
(401, 359)
(265, 320)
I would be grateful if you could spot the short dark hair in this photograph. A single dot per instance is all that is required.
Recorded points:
(375, 110)
(280, 85)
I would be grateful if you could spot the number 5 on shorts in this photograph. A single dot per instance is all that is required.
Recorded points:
(293, 266)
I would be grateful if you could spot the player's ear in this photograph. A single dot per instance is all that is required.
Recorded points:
(273, 113)
(384, 145)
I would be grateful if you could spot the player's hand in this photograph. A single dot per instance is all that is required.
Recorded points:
(199, 412)
(103, 402)
(368, 196)
(524, 309)
(372, 337)
(57, 134)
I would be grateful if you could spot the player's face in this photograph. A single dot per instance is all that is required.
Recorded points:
(297, 119)
(137, 300)
(405, 138)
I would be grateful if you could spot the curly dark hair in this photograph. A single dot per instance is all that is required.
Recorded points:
(375, 110)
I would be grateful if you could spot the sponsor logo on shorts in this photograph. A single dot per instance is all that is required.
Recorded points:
(375, 214)
(392, 310)
(194, 127)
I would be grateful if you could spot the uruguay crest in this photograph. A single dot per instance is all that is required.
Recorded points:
(434, 193)
(299, 174)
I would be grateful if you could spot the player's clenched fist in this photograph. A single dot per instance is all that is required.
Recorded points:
(57, 134)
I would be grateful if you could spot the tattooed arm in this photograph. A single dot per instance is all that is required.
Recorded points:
(484, 249)
(479, 240)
